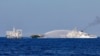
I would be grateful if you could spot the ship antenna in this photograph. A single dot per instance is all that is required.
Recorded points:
(75, 29)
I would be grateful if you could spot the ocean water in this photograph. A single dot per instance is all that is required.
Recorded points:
(49, 47)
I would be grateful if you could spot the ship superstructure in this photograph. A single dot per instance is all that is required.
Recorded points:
(79, 34)
(15, 33)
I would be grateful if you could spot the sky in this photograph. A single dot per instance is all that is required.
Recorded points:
(41, 16)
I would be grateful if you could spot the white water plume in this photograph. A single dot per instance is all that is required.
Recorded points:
(56, 33)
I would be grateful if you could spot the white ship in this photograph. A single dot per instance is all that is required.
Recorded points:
(68, 34)
(79, 34)
(15, 33)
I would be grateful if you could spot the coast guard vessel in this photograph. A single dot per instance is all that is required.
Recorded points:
(79, 34)
(15, 33)
(69, 34)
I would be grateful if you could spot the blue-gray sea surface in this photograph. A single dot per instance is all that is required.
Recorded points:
(49, 47)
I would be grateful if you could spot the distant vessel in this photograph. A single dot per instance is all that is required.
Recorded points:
(15, 33)
(37, 35)
(79, 34)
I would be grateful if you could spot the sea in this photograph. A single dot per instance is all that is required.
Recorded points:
(49, 47)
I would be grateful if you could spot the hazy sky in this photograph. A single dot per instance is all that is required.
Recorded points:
(40, 16)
